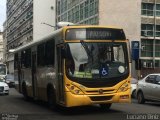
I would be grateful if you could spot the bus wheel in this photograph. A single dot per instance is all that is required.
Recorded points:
(51, 98)
(24, 91)
(140, 98)
(105, 106)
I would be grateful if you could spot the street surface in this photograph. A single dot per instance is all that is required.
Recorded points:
(14, 106)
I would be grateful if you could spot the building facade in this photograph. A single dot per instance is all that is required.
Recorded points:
(1, 47)
(103, 12)
(26, 22)
(150, 37)
(78, 11)
(5, 42)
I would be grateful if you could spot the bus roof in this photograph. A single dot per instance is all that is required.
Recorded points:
(91, 26)
(58, 31)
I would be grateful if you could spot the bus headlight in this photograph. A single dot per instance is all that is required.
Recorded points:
(74, 89)
(124, 87)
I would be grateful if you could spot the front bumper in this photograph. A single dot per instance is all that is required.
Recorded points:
(80, 100)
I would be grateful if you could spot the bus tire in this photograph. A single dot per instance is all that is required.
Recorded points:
(105, 106)
(140, 98)
(51, 98)
(24, 91)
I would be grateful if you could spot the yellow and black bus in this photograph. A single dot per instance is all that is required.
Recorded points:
(75, 66)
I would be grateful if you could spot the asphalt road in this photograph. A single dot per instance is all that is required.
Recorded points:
(14, 107)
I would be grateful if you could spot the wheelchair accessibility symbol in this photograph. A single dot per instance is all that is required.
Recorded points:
(104, 71)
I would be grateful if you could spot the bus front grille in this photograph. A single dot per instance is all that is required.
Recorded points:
(95, 92)
(101, 98)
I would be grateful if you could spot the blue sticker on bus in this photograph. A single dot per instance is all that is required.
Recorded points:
(103, 71)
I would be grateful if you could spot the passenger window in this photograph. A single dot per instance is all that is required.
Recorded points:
(26, 58)
(157, 81)
(49, 52)
(150, 79)
(23, 59)
(16, 61)
(41, 54)
(46, 53)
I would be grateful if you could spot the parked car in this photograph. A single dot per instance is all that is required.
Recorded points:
(148, 88)
(4, 88)
(133, 87)
(10, 80)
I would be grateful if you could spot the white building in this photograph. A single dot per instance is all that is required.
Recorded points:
(1, 46)
(26, 23)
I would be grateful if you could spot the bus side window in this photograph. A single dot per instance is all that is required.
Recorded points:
(16, 61)
(22, 58)
(26, 58)
(49, 52)
(41, 54)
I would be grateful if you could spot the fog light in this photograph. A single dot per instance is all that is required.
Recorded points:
(124, 97)
(77, 91)
(72, 88)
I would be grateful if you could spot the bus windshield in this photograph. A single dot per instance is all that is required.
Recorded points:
(2, 69)
(96, 60)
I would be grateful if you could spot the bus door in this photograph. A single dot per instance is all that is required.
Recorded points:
(34, 77)
(60, 82)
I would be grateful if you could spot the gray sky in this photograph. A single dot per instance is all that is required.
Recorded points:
(2, 13)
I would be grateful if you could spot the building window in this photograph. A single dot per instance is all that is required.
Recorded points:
(157, 48)
(58, 8)
(147, 48)
(147, 9)
(82, 11)
(149, 63)
(147, 30)
(157, 63)
(158, 10)
(157, 30)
